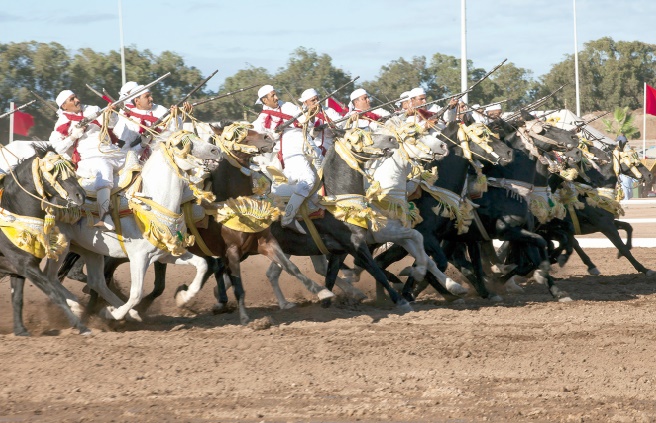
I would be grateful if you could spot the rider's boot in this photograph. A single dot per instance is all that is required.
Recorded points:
(289, 219)
(106, 223)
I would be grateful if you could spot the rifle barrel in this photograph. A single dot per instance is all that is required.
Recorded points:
(11, 112)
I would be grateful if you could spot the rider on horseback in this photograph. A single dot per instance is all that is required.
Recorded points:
(89, 147)
(291, 149)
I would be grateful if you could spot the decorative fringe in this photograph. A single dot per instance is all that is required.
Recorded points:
(247, 214)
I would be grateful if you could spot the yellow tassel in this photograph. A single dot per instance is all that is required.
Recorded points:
(48, 221)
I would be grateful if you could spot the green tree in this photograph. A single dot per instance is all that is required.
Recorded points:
(622, 123)
(610, 73)
(396, 77)
(308, 69)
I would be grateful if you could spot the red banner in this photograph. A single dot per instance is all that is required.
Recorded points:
(22, 123)
(337, 106)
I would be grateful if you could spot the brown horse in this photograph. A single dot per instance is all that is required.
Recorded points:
(231, 182)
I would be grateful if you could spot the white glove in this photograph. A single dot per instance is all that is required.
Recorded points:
(76, 132)
(145, 140)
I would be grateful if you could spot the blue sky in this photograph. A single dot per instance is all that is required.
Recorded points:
(359, 36)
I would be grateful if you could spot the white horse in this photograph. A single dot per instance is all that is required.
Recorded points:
(391, 175)
(165, 177)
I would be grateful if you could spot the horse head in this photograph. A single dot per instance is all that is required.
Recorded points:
(240, 139)
(55, 179)
(628, 163)
(417, 142)
(184, 143)
(547, 136)
(370, 145)
(478, 141)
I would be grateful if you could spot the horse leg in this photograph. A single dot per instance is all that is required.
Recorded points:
(220, 291)
(17, 285)
(592, 268)
(158, 288)
(413, 242)
(475, 256)
(273, 275)
(270, 248)
(360, 249)
(614, 236)
(185, 293)
(54, 290)
(321, 267)
(332, 270)
(233, 256)
(626, 227)
(96, 281)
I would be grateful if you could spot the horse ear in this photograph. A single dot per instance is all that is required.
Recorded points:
(217, 130)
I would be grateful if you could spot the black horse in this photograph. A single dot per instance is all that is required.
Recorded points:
(601, 177)
(436, 225)
(26, 195)
(504, 209)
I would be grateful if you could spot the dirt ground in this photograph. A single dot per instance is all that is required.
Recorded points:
(526, 359)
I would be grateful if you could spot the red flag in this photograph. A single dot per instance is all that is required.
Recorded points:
(650, 104)
(336, 106)
(22, 123)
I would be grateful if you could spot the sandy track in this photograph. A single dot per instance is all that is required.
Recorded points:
(529, 358)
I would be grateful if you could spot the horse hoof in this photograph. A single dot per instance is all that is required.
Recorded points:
(107, 313)
(594, 271)
(496, 299)
(456, 301)
(133, 315)
(326, 303)
(85, 331)
(455, 288)
(408, 297)
(21, 333)
(181, 298)
(512, 287)
(540, 277)
(565, 300)
(404, 306)
(650, 272)
(562, 260)
(324, 294)
(287, 306)
(220, 308)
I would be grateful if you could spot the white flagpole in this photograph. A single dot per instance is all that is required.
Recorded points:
(463, 49)
(644, 124)
(120, 24)
(576, 66)
(11, 123)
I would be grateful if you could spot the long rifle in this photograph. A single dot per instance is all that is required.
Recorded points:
(99, 94)
(17, 109)
(533, 105)
(441, 112)
(178, 104)
(119, 103)
(44, 101)
(295, 118)
(207, 100)
(335, 122)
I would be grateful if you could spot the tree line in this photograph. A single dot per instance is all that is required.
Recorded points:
(611, 72)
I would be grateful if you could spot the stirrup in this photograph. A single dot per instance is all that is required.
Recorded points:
(103, 225)
(294, 226)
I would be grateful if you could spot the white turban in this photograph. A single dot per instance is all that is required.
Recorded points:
(493, 107)
(404, 96)
(308, 94)
(356, 94)
(125, 89)
(416, 92)
(63, 96)
(262, 92)
(137, 88)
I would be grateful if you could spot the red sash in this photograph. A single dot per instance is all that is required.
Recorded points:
(425, 114)
(369, 115)
(268, 120)
(63, 129)
(145, 120)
